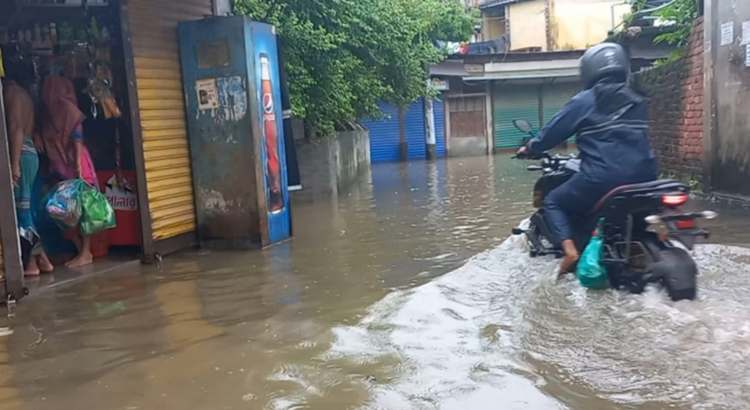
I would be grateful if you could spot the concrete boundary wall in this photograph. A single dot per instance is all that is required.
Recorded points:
(328, 166)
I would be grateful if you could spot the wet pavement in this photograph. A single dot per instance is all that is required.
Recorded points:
(404, 294)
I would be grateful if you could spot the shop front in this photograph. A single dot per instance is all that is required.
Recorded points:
(123, 61)
(467, 124)
(535, 100)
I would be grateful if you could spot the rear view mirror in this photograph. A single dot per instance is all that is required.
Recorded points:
(522, 126)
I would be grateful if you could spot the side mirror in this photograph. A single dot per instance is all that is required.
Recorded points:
(523, 126)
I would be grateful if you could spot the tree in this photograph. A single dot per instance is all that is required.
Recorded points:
(680, 13)
(342, 56)
(677, 18)
(414, 27)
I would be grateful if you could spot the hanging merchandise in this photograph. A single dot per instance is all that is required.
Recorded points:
(80, 44)
(100, 92)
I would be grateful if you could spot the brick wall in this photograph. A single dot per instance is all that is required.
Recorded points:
(675, 94)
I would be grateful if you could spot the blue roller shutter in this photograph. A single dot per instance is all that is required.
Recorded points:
(511, 102)
(384, 133)
(415, 130)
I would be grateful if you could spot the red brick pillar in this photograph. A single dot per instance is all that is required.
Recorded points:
(691, 125)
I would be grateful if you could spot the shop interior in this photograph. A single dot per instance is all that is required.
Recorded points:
(79, 40)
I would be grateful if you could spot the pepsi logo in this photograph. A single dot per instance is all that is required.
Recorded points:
(268, 103)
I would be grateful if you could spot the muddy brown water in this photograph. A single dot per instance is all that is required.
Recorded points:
(404, 294)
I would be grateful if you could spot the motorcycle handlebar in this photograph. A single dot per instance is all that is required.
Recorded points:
(530, 157)
(548, 161)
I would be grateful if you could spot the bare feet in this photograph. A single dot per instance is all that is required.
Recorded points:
(81, 260)
(32, 272)
(32, 269)
(44, 263)
(567, 263)
(570, 258)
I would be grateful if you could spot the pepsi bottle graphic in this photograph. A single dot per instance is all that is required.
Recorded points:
(271, 138)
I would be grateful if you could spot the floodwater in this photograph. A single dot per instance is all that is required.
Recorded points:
(404, 294)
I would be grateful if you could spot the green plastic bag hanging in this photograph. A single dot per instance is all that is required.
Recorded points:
(98, 214)
(591, 273)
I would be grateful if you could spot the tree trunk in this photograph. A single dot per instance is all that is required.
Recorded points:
(403, 146)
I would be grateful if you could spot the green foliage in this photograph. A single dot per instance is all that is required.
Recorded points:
(681, 13)
(691, 181)
(342, 56)
(637, 6)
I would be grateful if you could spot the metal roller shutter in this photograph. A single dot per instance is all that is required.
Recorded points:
(415, 130)
(162, 109)
(511, 103)
(384, 133)
(555, 96)
(439, 127)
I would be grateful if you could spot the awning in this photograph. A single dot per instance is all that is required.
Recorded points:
(448, 68)
(494, 3)
(525, 75)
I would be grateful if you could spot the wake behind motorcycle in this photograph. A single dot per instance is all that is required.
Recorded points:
(636, 251)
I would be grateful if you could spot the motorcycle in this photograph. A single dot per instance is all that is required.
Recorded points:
(647, 238)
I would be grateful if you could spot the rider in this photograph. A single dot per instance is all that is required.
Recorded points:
(611, 120)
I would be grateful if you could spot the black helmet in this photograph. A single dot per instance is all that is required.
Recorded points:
(602, 61)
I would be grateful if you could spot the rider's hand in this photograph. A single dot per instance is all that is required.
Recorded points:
(523, 151)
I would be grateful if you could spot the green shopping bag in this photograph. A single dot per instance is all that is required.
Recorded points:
(591, 273)
(98, 214)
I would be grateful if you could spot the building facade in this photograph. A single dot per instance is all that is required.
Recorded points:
(143, 54)
(525, 67)
(550, 25)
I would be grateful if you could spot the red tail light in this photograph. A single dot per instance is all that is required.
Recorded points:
(674, 200)
(685, 224)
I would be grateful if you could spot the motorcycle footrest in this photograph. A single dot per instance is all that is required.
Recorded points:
(554, 252)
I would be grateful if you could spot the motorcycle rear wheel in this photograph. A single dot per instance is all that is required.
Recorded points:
(678, 273)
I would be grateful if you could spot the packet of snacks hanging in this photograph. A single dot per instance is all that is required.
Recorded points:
(77, 63)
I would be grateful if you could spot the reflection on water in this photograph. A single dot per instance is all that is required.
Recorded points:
(373, 305)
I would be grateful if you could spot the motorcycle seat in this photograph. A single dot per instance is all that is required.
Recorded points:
(635, 189)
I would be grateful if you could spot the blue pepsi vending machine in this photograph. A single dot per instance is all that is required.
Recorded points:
(230, 73)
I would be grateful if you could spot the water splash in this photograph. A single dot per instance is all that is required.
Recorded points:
(502, 329)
